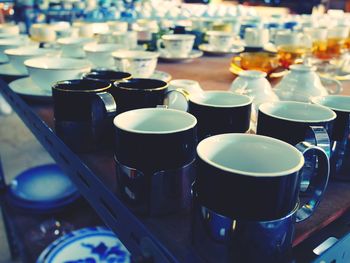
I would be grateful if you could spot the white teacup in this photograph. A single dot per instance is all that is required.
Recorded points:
(128, 40)
(101, 54)
(117, 26)
(10, 29)
(140, 64)
(42, 32)
(73, 46)
(220, 40)
(338, 32)
(17, 56)
(256, 37)
(316, 33)
(292, 39)
(46, 71)
(190, 86)
(14, 42)
(176, 45)
(84, 29)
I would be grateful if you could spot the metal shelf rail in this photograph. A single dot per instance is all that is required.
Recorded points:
(135, 236)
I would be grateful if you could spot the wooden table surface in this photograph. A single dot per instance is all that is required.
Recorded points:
(213, 74)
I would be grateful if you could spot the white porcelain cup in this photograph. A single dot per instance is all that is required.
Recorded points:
(176, 45)
(190, 86)
(338, 32)
(43, 32)
(73, 46)
(100, 55)
(14, 42)
(316, 33)
(10, 29)
(117, 26)
(128, 40)
(292, 38)
(46, 71)
(17, 56)
(220, 40)
(140, 64)
(256, 37)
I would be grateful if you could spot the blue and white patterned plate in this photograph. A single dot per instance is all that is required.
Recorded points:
(92, 244)
(42, 188)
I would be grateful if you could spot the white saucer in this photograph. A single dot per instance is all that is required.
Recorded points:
(161, 75)
(170, 58)
(27, 88)
(210, 50)
(9, 70)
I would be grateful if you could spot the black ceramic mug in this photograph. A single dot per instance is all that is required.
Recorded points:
(340, 150)
(139, 93)
(290, 121)
(83, 113)
(220, 112)
(253, 177)
(154, 153)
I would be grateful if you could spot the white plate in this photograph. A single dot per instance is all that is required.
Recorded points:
(206, 48)
(26, 87)
(170, 58)
(161, 75)
(9, 70)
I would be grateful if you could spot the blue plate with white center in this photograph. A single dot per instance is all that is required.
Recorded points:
(42, 188)
(92, 244)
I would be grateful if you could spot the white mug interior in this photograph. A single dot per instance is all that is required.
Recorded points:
(155, 121)
(220, 99)
(297, 111)
(250, 155)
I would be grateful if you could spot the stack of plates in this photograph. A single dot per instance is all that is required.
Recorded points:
(93, 244)
(42, 189)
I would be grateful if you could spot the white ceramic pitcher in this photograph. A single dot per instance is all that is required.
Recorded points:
(302, 83)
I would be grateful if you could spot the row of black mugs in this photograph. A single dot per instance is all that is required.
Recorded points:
(156, 147)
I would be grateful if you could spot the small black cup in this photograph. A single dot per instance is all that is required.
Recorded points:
(290, 121)
(340, 139)
(107, 75)
(253, 177)
(83, 113)
(154, 153)
(142, 93)
(220, 112)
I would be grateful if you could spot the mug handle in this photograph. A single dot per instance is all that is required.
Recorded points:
(318, 136)
(180, 102)
(317, 183)
(108, 102)
(160, 43)
(337, 89)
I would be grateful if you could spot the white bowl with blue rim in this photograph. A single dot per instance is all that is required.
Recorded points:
(91, 244)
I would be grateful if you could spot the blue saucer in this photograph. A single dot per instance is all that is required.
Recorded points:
(92, 244)
(42, 189)
(46, 183)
